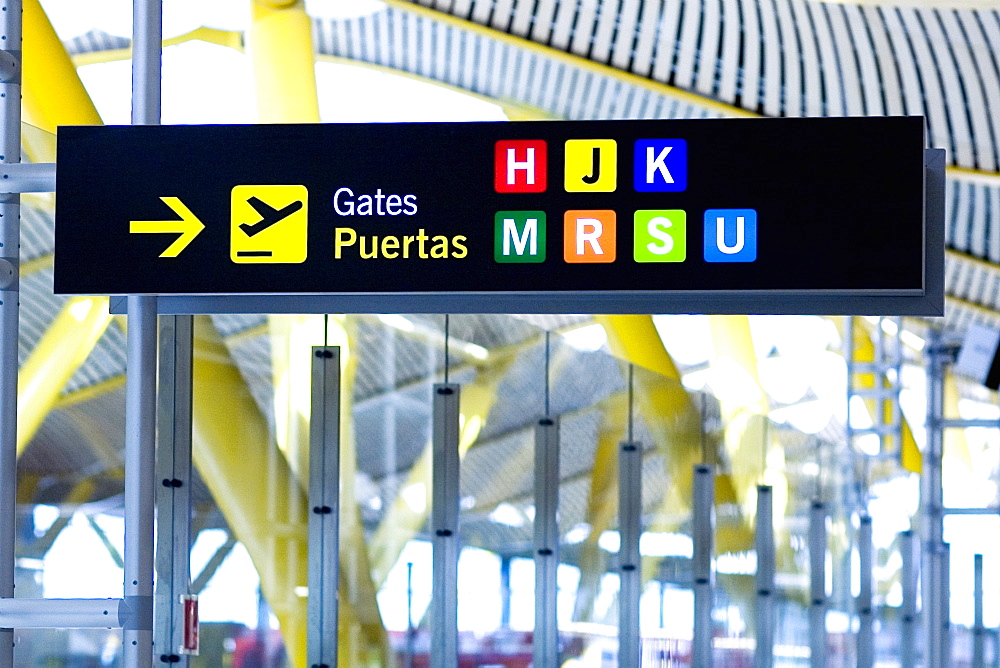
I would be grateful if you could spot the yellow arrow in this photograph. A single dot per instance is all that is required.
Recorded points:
(188, 226)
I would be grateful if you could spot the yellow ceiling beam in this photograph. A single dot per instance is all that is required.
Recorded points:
(63, 348)
(257, 492)
(284, 65)
(254, 488)
(748, 438)
(292, 337)
(53, 95)
(279, 42)
(675, 424)
(52, 92)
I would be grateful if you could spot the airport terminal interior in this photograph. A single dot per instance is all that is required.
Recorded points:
(874, 451)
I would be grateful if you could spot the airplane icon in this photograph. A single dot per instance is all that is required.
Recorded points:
(269, 215)
(255, 233)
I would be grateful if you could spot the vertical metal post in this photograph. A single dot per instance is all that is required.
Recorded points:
(444, 524)
(865, 603)
(324, 502)
(147, 36)
(410, 631)
(945, 598)
(629, 529)
(704, 547)
(817, 584)
(173, 494)
(10, 238)
(908, 611)
(505, 592)
(140, 432)
(764, 545)
(978, 630)
(546, 639)
(140, 385)
(932, 502)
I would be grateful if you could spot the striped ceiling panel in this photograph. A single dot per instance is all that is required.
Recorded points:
(773, 57)
(495, 67)
(973, 218)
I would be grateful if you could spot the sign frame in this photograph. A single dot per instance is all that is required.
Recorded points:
(850, 238)
(929, 302)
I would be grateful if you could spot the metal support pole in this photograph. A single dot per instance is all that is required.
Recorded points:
(865, 603)
(546, 639)
(140, 432)
(147, 36)
(908, 610)
(173, 494)
(324, 501)
(932, 502)
(444, 524)
(704, 548)
(62, 613)
(10, 239)
(945, 598)
(978, 630)
(505, 592)
(629, 529)
(764, 545)
(140, 384)
(817, 584)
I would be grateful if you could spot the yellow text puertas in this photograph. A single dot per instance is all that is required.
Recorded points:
(270, 224)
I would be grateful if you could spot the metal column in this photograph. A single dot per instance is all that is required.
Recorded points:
(324, 502)
(140, 385)
(865, 602)
(173, 494)
(629, 529)
(764, 545)
(140, 432)
(908, 610)
(932, 502)
(945, 598)
(704, 547)
(978, 630)
(444, 524)
(10, 238)
(546, 639)
(817, 584)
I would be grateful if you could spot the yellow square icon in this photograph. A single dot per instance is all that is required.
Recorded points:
(269, 225)
(591, 165)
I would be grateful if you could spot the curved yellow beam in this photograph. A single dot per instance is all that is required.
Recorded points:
(284, 66)
(62, 349)
(252, 485)
(53, 95)
(748, 439)
(292, 337)
(52, 92)
(675, 425)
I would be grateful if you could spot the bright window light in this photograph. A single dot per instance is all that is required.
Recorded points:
(588, 338)
(652, 544)
(343, 9)
(353, 94)
(508, 515)
(687, 338)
